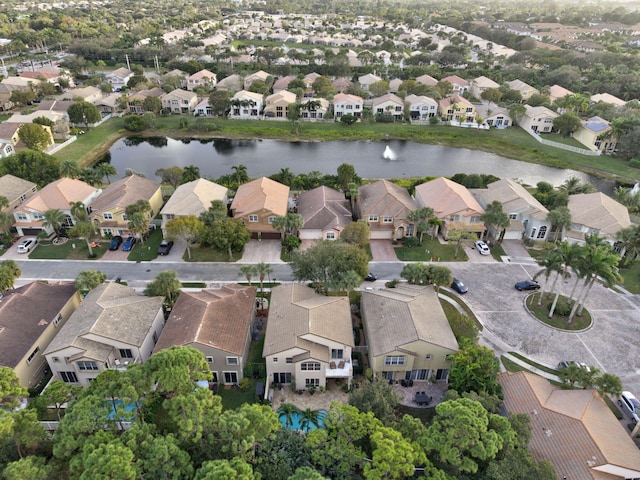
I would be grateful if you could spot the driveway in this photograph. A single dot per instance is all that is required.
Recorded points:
(516, 251)
(474, 255)
(257, 251)
(382, 251)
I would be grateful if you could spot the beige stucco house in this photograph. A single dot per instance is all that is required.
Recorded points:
(595, 213)
(347, 104)
(259, 76)
(526, 90)
(595, 134)
(16, 190)
(246, 105)
(180, 101)
(456, 109)
(203, 78)
(258, 203)
(385, 206)
(276, 106)
(408, 334)
(480, 85)
(388, 104)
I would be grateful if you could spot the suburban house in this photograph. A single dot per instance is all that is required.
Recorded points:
(277, 105)
(347, 104)
(421, 107)
(385, 206)
(595, 213)
(453, 204)
(457, 109)
(493, 115)
(135, 100)
(595, 134)
(309, 338)
(394, 85)
(232, 83)
(608, 98)
(119, 78)
(367, 80)
(59, 195)
(112, 328)
(259, 76)
(314, 108)
(245, 104)
(480, 85)
(427, 80)
(180, 101)
(575, 430)
(6, 149)
(557, 91)
(192, 198)
(258, 203)
(203, 78)
(88, 94)
(9, 136)
(308, 80)
(30, 316)
(460, 85)
(527, 216)
(408, 334)
(325, 212)
(219, 323)
(526, 90)
(341, 84)
(537, 119)
(203, 109)
(16, 191)
(108, 210)
(388, 104)
(282, 83)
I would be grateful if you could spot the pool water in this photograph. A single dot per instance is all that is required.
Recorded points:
(297, 417)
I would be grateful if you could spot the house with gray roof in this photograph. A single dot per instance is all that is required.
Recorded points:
(385, 206)
(179, 101)
(595, 213)
(219, 323)
(309, 338)
(16, 190)
(325, 212)
(113, 327)
(408, 334)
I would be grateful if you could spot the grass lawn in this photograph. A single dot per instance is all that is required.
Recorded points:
(552, 137)
(557, 321)
(497, 251)
(450, 310)
(48, 251)
(233, 397)
(631, 278)
(208, 254)
(147, 251)
(431, 250)
(553, 371)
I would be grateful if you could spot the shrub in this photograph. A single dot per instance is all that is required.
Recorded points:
(410, 241)
(392, 283)
(563, 307)
(245, 384)
(634, 162)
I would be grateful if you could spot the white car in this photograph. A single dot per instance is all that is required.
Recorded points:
(630, 403)
(26, 245)
(482, 247)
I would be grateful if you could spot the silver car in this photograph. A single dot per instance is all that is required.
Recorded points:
(630, 403)
(482, 247)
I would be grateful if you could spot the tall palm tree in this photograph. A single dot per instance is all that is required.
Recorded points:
(629, 237)
(104, 169)
(241, 174)
(138, 225)
(69, 168)
(262, 270)
(552, 263)
(89, 175)
(285, 176)
(309, 418)
(287, 411)
(353, 191)
(420, 218)
(86, 230)
(495, 218)
(560, 218)
(54, 218)
(247, 271)
(78, 211)
(288, 223)
(190, 173)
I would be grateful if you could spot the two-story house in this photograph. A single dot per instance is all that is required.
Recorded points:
(203, 78)
(480, 85)
(538, 119)
(233, 83)
(325, 213)
(456, 109)
(460, 85)
(427, 80)
(347, 104)
(526, 90)
(135, 100)
(595, 134)
(219, 323)
(259, 76)
(30, 316)
(258, 203)
(179, 101)
(386, 207)
(9, 138)
(282, 83)
(388, 104)
(408, 334)
(16, 190)
(493, 115)
(88, 94)
(595, 213)
(309, 338)
(246, 105)
(276, 106)
(452, 204)
(108, 210)
(367, 80)
(113, 327)
(119, 78)
(315, 108)
(421, 107)
(58, 195)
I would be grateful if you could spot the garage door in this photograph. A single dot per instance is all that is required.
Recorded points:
(380, 235)
(31, 231)
(266, 235)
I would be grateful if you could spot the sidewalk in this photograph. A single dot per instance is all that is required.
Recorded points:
(531, 368)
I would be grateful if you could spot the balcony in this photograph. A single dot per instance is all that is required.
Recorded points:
(339, 369)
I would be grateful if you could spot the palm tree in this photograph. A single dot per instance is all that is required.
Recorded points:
(353, 191)
(262, 270)
(54, 218)
(288, 223)
(89, 175)
(552, 263)
(241, 173)
(138, 225)
(420, 218)
(69, 168)
(104, 169)
(190, 173)
(247, 271)
(287, 411)
(308, 418)
(560, 218)
(285, 176)
(86, 230)
(495, 219)
(609, 384)
(78, 211)
(629, 237)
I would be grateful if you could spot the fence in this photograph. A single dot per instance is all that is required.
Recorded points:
(59, 146)
(562, 146)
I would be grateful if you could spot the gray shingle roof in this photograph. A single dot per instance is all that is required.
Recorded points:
(323, 208)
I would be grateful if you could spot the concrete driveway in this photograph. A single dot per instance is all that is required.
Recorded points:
(257, 251)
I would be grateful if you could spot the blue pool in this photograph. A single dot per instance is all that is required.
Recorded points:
(128, 409)
(297, 417)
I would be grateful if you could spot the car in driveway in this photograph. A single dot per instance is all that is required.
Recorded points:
(482, 248)
(165, 247)
(527, 285)
(128, 244)
(458, 286)
(630, 404)
(372, 277)
(26, 245)
(115, 243)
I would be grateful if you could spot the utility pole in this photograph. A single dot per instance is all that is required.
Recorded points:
(126, 55)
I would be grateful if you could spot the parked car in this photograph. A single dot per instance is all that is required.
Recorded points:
(630, 404)
(165, 247)
(26, 245)
(568, 363)
(115, 243)
(527, 285)
(482, 247)
(458, 286)
(372, 277)
(128, 244)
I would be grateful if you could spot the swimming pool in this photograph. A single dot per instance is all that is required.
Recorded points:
(296, 418)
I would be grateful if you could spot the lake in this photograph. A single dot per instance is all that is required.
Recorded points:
(215, 157)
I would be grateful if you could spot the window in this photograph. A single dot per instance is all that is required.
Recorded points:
(454, 218)
(533, 233)
(275, 359)
(169, 216)
(394, 360)
(312, 382)
(22, 198)
(475, 219)
(548, 120)
(107, 216)
(232, 360)
(513, 216)
(289, 360)
(124, 218)
(38, 215)
(33, 354)
(57, 320)
(470, 110)
(427, 356)
(387, 219)
(373, 218)
(253, 218)
(21, 217)
(330, 236)
(55, 359)
(271, 219)
(337, 353)
(230, 377)
(282, 377)
(308, 366)
(84, 366)
(69, 377)
(209, 359)
(349, 107)
(543, 232)
(126, 353)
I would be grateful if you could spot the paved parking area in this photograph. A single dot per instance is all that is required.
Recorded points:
(382, 251)
(257, 251)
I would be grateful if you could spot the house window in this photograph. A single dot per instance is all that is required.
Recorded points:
(349, 107)
(454, 218)
(22, 198)
(308, 366)
(107, 216)
(289, 360)
(69, 377)
(232, 360)
(21, 217)
(230, 377)
(253, 218)
(275, 359)
(387, 219)
(394, 360)
(475, 219)
(330, 236)
(57, 320)
(337, 353)
(373, 218)
(427, 356)
(271, 219)
(169, 216)
(84, 366)
(209, 359)
(33, 354)
(124, 218)
(513, 216)
(543, 232)
(282, 377)
(548, 120)
(126, 353)
(38, 215)
(312, 382)
(533, 233)
(470, 110)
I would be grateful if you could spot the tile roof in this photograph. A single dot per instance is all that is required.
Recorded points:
(124, 192)
(387, 97)
(557, 91)
(13, 187)
(297, 310)
(202, 74)
(59, 194)
(455, 80)
(485, 82)
(257, 97)
(607, 98)
(427, 80)
(261, 194)
(514, 198)
(598, 211)
(396, 317)
(454, 100)
(416, 99)
(193, 198)
(573, 429)
(347, 98)
(324, 208)
(219, 319)
(385, 198)
(283, 82)
(25, 313)
(519, 85)
(540, 111)
(446, 197)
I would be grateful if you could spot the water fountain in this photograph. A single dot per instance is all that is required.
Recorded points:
(389, 154)
(636, 188)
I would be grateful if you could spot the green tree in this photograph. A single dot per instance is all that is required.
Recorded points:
(281, 454)
(440, 275)
(190, 173)
(167, 285)
(306, 473)
(392, 456)
(9, 273)
(86, 230)
(219, 101)
(10, 394)
(224, 469)
(379, 88)
(474, 368)
(416, 273)
(90, 279)
(28, 468)
(105, 169)
(187, 229)
(229, 235)
(457, 235)
(240, 172)
(284, 176)
(36, 167)
(463, 327)
(138, 225)
(171, 175)
(83, 113)
(567, 123)
(152, 104)
(348, 119)
(59, 393)
(609, 384)
(560, 218)
(356, 233)
(378, 398)
(491, 95)
(495, 219)
(262, 270)
(420, 218)
(287, 224)
(346, 176)
(309, 419)
(27, 433)
(175, 371)
(69, 168)
(54, 218)
(287, 411)
(247, 271)
(90, 176)
(629, 237)
(216, 211)
(22, 97)
(34, 136)
(108, 460)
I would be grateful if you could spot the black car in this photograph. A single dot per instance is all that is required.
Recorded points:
(372, 277)
(527, 285)
(115, 243)
(458, 286)
(165, 247)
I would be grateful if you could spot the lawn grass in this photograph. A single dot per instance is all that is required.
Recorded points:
(233, 398)
(557, 321)
(552, 137)
(512, 366)
(497, 251)
(46, 250)
(431, 251)
(450, 309)
(194, 285)
(631, 277)
(208, 254)
(147, 251)
(544, 368)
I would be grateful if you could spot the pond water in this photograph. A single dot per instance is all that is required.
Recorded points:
(393, 159)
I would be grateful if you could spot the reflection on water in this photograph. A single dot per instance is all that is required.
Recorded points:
(215, 157)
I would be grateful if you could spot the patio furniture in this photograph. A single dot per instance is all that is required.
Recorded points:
(341, 364)
(332, 365)
(422, 398)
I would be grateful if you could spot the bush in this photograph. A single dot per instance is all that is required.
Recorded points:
(291, 243)
(245, 384)
(410, 241)
(634, 162)
(135, 123)
(563, 307)
(392, 283)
